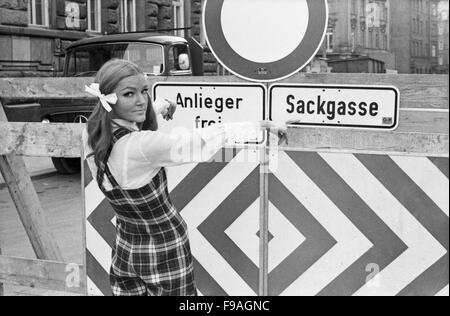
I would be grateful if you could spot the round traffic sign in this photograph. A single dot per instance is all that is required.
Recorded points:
(265, 40)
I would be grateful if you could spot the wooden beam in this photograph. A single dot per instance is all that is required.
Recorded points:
(419, 132)
(39, 139)
(64, 140)
(2, 293)
(367, 142)
(55, 276)
(416, 91)
(28, 205)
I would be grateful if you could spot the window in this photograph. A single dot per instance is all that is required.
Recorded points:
(433, 51)
(434, 9)
(38, 12)
(178, 17)
(329, 41)
(87, 60)
(354, 9)
(94, 15)
(128, 15)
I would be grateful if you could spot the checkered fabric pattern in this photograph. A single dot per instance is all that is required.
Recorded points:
(152, 255)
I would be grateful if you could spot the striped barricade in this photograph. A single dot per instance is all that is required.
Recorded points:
(365, 225)
(339, 224)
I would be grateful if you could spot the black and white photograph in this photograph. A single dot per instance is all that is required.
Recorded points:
(224, 152)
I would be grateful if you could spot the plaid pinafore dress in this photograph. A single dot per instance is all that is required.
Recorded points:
(152, 255)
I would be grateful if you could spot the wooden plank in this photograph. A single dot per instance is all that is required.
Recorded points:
(28, 206)
(50, 275)
(35, 88)
(1, 284)
(41, 140)
(367, 142)
(421, 121)
(64, 140)
(416, 91)
(264, 222)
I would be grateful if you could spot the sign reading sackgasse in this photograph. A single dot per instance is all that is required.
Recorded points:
(366, 107)
(200, 105)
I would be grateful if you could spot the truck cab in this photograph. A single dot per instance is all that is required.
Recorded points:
(156, 55)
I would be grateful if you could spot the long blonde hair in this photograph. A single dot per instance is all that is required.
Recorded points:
(99, 126)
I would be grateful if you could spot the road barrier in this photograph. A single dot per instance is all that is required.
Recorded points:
(342, 212)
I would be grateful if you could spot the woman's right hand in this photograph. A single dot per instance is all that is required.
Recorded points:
(169, 110)
(276, 127)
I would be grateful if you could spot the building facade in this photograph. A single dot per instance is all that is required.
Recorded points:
(408, 36)
(415, 35)
(404, 34)
(443, 38)
(360, 27)
(34, 33)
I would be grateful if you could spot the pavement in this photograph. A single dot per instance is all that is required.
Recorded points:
(60, 196)
(36, 166)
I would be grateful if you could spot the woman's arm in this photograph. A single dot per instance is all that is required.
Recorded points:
(179, 147)
(186, 146)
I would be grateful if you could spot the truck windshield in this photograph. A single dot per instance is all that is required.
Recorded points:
(87, 60)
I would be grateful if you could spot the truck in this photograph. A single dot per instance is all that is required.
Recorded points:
(156, 54)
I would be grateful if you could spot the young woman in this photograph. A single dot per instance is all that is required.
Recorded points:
(127, 156)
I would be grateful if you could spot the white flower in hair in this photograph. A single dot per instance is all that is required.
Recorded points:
(105, 100)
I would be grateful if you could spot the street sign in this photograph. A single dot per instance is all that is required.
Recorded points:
(265, 40)
(200, 105)
(350, 106)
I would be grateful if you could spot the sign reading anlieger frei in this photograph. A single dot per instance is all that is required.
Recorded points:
(265, 40)
(365, 107)
(200, 105)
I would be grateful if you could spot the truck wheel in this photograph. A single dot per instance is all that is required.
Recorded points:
(67, 165)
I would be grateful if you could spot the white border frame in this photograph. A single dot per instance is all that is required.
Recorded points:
(335, 86)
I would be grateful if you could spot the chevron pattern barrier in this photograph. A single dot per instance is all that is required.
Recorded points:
(340, 224)
(385, 218)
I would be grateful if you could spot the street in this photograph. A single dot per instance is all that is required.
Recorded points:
(60, 197)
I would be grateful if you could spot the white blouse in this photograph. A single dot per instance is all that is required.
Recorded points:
(138, 156)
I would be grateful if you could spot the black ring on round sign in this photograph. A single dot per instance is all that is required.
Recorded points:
(305, 51)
